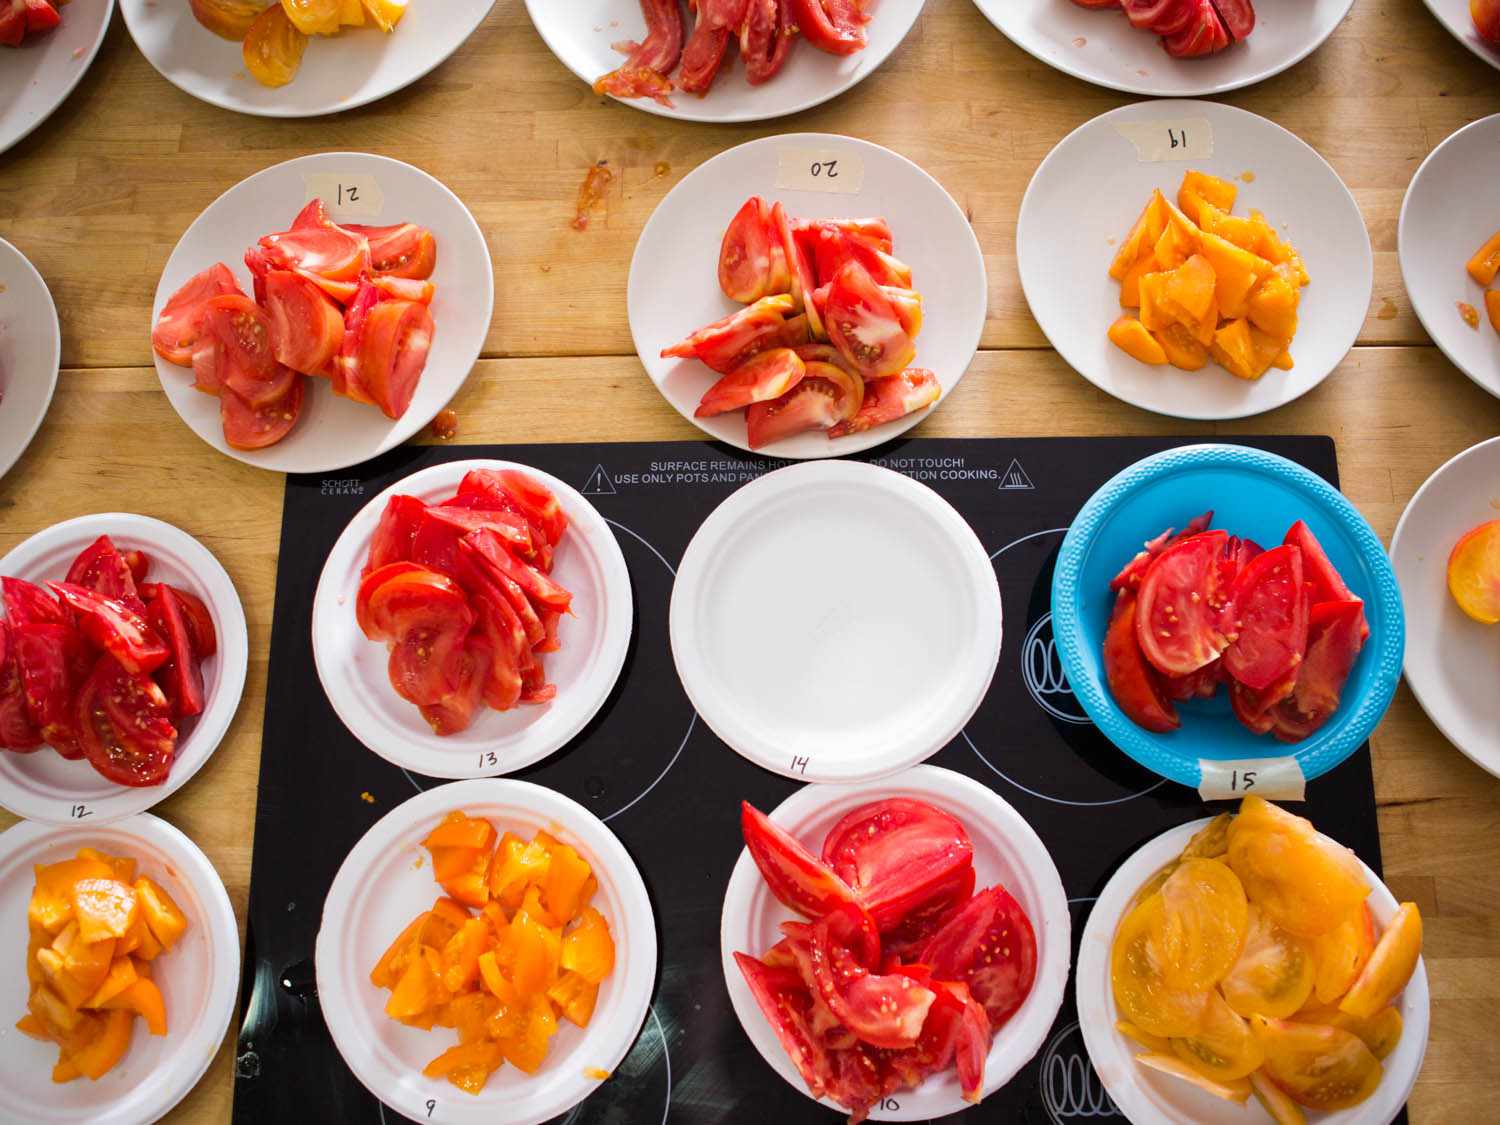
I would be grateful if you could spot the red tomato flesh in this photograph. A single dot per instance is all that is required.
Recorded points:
(798, 879)
(115, 627)
(393, 346)
(179, 325)
(1267, 616)
(990, 946)
(124, 726)
(1181, 600)
(307, 328)
(1133, 683)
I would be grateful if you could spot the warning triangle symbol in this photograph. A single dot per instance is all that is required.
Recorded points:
(1015, 478)
(599, 483)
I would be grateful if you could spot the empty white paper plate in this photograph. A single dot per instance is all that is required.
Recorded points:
(835, 621)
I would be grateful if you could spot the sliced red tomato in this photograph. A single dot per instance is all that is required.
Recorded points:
(704, 52)
(525, 612)
(1267, 617)
(391, 541)
(945, 899)
(766, 37)
(832, 246)
(41, 16)
(181, 678)
(330, 251)
(115, 627)
(786, 1004)
(393, 347)
(138, 563)
(259, 266)
(1335, 636)
(500, 626)
(273, 47)
(835, 26)
(826, 396)
(883, 1010)
(456, 711)
(124, 726)
(727, 343)
(17, 731)
(403, 596)
(801, 271)
(240, 332)
(895, 854)
(404, 250)
(1204, 34)
(1238, 17)
(1324, 582)
(228, 19)
(513, 529)
(51, 660)
(402, 288)
(254, 427)
(865, 324)
(990, 946)
(344, 371)
(313, 214)
(28, 604)
(537, 586)
(534, 685)
(428, 662)
(890, 398)
(1202, 684)
(307, 328)
(752, 263)
(179, 324)
(1130, 577)
(200, 621)
(1181, 599)
(766, 375)
(1134, 684)
(509, 490)
(798, 879)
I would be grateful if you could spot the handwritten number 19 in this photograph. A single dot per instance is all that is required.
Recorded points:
(829, 169)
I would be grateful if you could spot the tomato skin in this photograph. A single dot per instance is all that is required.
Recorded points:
(330, 251)
(1180, 600)
(835, 26)
(247, 426)
(124, 727)
(307, 328)
(784, 1002)
(181, 676)
(727, 343)
(1267, 615)
(393, 348)
(391, 541)
(752, 263)
(178, 326)
(404, 250)
(766, 375)
(17, 731)
(115, 627)
(990, 946)
(1133, 683)
(799, 880)
(884, 1011)
(28, 604)
(273, 48)
(865, 324)
(200, 621)
(51, 660)
(228, 19)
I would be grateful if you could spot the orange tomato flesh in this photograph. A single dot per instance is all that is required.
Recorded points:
(94, 927)
(515, 948)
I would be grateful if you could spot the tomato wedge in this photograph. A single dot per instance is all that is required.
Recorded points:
(273, 47)
(17, 731)
(502, 628)
(766, 375)
(1181, 599)
(343, 370)
(51, 660)
(1133, 683)
(725, 344)
(28, 604)
(532, 498)
(391, 541)
(102, 568)
(514, 530)
(314, 17)
(890, 398)
(179, 324)
(200, 621)
(1267, 617)
(537, 586)
(1336, 633)
(124, 726)
(752, 263)
(247, 426)
(307, 328)
(882, 1010)
(766, 37)
(180, 677)
(798, 879)
(1324, 582)
(455, 711)
(240, 332)
(1322, 1068)
(393, 346)
(990, 946)
(866, 325)
(832, 245)
(330, 251)
(835, 26)
(404, 250)
(1130, 576)
(825, 396)
(402, 288)
(228, 19)
(787, 1005)
(115, 627)
(800, 270)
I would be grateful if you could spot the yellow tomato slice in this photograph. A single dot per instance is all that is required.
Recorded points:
(1322, 1068)
(1236, 1091)
(1212, 840)
(1342, 953)
(386, 14)
(1203, 924)
(1153, 1043)
(1307, 884)
(1389, 967)
(313, 17)
(1380, 1032)
(1141, 991)
(1223, 1049)
(273, 48)
(1151, 885)
(1274, 973)
(1282, 1109)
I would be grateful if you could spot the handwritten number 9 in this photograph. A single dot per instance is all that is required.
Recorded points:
(829, 169)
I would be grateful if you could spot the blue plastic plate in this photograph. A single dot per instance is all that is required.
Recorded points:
(1253, 494)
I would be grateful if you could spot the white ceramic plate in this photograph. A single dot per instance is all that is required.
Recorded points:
(335, 432)
(1452, 661)
(380, 889)
(37, 77)
(199, 979)
(1006, 850)
(835, 621)
(674, 289)
(46, 787)
(1454, 15)
(1069, 229)
(30, 351)
(1101, 47)
(354, 69)
(1146, 1097)
(353, 669)
(1449, 212)
(580, 33)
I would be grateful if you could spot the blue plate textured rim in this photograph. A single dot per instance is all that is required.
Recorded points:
(1316, 755)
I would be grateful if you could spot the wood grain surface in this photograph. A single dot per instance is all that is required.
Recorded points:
(98, 196)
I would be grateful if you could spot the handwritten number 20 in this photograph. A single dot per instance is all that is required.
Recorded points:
(829, 169)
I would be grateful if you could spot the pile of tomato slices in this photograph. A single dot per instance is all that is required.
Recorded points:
(829, 325)
(460, 592)
(1252, 963)
(346, 303)
(20, 19)
(765, 31)
(1189, 29)
(897, 970)
(1202, 608)
(273, 36)
(102, 665)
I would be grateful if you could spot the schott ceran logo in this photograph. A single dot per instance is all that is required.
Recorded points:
(1041, 668)
(1071, 1089)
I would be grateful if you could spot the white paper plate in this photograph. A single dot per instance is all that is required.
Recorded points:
(835, 621)
(380, 889)
(1101, 47)
(1006, 850)
(1146, 1097)
(43, 785)
(1452, 661)
(580, 33)
(1069, 229)
(199, 979)
(30, 352)
(1449, 212)
(335, 432)
(353, 669)
(1454, 15)
(37, 77)
(674, 289)
(352, 70)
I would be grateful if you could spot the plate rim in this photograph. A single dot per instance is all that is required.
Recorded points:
(1491, 56)
(56, 363)
(1386, 653)
(86, 62)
